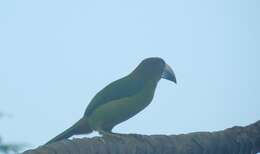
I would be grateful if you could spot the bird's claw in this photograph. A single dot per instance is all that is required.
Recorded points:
(110, 135)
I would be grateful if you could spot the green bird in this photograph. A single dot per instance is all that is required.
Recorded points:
(121, 99)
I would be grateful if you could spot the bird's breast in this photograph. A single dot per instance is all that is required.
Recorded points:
(117, 111)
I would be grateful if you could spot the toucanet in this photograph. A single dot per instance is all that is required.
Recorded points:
(121, 99)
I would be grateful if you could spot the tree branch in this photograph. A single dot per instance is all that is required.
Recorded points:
(235, 140)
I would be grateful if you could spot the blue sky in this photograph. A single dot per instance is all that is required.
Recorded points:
(56, 55)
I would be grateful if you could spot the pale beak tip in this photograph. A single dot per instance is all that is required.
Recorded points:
(169, 74)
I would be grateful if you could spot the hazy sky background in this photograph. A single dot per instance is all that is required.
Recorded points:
(56, 55)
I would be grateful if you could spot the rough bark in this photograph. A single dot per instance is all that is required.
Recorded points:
(235, 140)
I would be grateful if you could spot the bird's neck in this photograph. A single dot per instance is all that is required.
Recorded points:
(145, 96)
(144, 79)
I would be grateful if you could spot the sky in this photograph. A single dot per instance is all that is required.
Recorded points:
(56, 55)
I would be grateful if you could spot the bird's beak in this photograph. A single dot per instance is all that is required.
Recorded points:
(168, 74)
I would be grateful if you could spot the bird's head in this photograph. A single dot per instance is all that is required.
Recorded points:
(155, 68)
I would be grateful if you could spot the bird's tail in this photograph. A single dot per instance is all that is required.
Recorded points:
(80, 127)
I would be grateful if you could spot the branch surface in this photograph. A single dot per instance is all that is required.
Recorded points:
(235, 140)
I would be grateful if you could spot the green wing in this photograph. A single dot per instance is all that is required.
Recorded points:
(119, 89)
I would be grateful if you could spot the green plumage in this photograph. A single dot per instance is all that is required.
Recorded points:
(121, 99)
(115, 90)
(128, 103)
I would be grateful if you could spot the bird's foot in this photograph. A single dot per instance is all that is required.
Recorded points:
(111, 135)
(102, 140)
